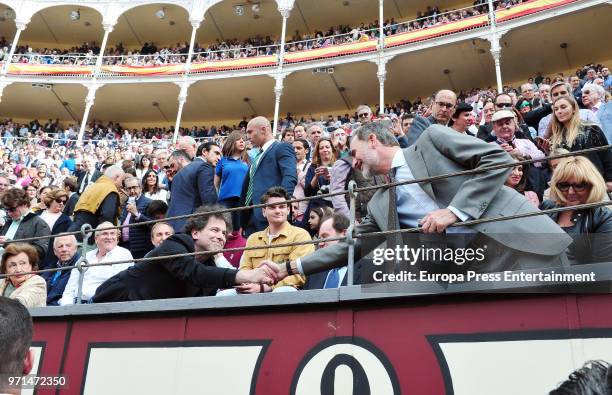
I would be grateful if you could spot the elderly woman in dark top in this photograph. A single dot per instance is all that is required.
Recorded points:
(577, 181)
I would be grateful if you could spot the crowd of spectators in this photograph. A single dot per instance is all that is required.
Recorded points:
(49, 186)
(152, 55)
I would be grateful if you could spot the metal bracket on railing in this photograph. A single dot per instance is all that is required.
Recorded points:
(350, 240)
(86, 232)
(82, 267)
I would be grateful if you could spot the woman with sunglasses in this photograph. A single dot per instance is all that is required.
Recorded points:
(576, 181)
(55, 201)
(567, 130)
(21, 222)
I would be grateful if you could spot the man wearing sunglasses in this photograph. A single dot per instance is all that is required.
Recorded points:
(364, 114)
(137, 239)
(442, 108)
(502, 101)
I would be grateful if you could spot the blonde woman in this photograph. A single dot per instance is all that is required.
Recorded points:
(576, 181)
(568, 131)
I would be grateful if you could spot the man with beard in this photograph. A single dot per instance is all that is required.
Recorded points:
(516, 244)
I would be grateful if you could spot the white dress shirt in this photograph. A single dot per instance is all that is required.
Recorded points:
(412, 201)
(95, 276)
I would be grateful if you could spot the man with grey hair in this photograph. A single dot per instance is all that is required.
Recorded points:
(315, 132)
(593, 99)
(544, 91)
(100, 201)
(108, 250)
(364, 114)
(442, 108)
(65, 249)
(436, 205)
(187, 144)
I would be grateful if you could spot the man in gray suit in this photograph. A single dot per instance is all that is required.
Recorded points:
(531, 242)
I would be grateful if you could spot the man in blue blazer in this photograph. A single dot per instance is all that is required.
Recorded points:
(191, 187)
(274, 164)
(137, 239)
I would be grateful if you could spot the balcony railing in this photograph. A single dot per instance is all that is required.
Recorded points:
(252, 57)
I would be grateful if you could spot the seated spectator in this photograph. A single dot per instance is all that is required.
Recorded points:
(106, 250)
(505, 127)
(314, 218)
(187, 276)
(29, 289)
(150, 186)
(24, 178)
(462, 119)
(335, 225)
(22, 223)
(553, 163)
(135, 238)
(57, 221)
(568, 131)
(594, 100)
(160, 232)
(65, 249)
(563, 89)
(576, 181)
(279, 231)
(518, 179)
(157, 209)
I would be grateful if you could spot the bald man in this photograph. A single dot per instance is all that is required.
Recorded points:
(273, 164)
(442, 108)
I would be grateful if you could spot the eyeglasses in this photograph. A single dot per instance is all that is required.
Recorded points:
(60, 201)
(565, 186)
(11, 209)
(447, 105)
(364, 115)
(503, 105)
(132, 187)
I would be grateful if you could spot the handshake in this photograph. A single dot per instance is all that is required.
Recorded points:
(267, 273)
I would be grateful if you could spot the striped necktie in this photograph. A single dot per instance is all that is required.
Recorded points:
(252, 170)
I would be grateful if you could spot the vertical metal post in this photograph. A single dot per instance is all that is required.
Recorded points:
(86, 232)
(195, 24)
(108, 28)
(349, 234)
(494, 38)
(89, 102)
(381, 33)
(20, 27)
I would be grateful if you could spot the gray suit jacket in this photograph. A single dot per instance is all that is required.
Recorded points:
(441, 150)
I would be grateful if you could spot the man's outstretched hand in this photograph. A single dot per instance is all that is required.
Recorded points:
(266, 273)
